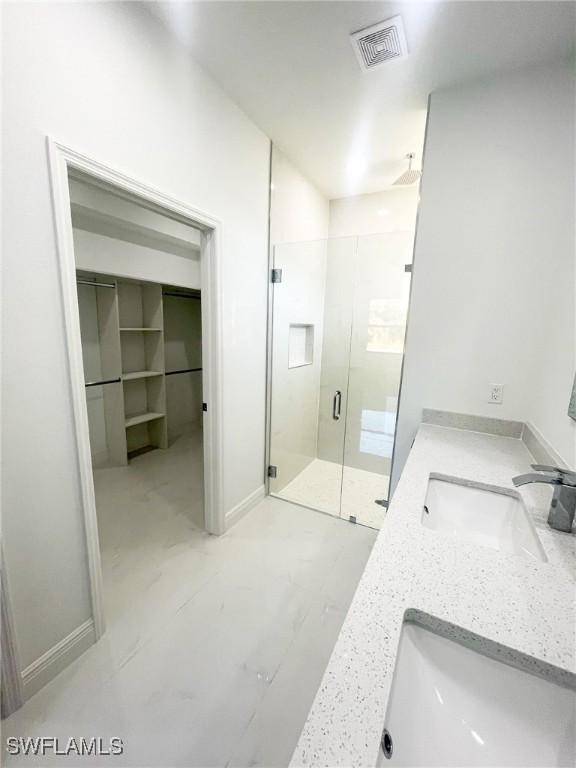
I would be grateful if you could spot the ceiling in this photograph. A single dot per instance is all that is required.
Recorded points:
(291, 68)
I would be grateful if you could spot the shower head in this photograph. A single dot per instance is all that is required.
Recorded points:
(410, 176)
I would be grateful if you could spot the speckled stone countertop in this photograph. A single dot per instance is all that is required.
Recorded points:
(524, 605)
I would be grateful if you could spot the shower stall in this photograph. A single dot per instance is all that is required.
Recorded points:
(338, 322)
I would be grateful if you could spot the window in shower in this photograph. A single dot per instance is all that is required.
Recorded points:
(378, 429)
(386, 325)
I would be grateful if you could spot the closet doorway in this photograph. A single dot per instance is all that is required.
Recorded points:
(140, 285)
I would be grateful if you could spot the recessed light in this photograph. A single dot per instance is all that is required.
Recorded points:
(383, 212)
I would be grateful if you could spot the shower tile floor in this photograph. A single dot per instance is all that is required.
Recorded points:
(215, 645)
(318, 487)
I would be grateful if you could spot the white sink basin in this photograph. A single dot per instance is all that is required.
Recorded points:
(451, 706)
(492, 518)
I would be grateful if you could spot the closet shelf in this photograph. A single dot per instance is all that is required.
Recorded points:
(133, 375)
(142, 418)
(156, 330)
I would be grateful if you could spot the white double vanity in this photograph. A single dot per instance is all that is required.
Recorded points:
(458, 649)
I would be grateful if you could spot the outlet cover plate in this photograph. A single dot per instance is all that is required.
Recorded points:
(496, 394)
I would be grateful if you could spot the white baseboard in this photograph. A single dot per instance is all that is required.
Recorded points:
(238, 512)
(51, 663)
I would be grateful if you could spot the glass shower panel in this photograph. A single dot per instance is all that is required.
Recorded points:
(311, 330)
(380, 307)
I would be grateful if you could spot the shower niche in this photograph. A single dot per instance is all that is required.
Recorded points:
(300, 345)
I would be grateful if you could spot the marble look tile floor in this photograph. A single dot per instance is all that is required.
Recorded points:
(215, 646)
(339, 491)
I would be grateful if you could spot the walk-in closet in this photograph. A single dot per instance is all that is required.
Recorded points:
(142, 355)
(140, 316)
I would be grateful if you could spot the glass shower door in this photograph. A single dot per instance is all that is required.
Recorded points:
(311, 331)
(339, 320)
(380, 306)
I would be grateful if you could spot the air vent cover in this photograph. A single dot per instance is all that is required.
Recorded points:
(382, 42)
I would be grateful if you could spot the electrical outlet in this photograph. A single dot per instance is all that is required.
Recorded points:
(496, 394)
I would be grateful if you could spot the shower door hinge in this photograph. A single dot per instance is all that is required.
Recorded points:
(407, 267)
(272, 471)
(204, 406)
(382, 502)
(276, 276)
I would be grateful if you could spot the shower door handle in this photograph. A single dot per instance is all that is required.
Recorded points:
(336, 405)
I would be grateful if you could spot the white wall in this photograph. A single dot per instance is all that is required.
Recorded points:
(494, 282)
(298, 230)
(106, 79)
(117, 237)
(392, 210)
(100, 210)
(110, 256)
(298, 210)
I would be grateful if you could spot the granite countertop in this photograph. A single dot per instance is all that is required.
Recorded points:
(524, 605)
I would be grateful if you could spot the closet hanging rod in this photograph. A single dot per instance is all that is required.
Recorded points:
(184, 370)
(100, 383)
(181, 295)
(96, 285)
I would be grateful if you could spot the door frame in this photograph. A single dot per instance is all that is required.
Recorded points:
(61, 160)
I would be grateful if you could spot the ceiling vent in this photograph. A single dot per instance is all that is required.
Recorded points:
(382, 42)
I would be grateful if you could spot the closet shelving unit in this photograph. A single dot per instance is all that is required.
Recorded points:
(142, 353)
(131, 355)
